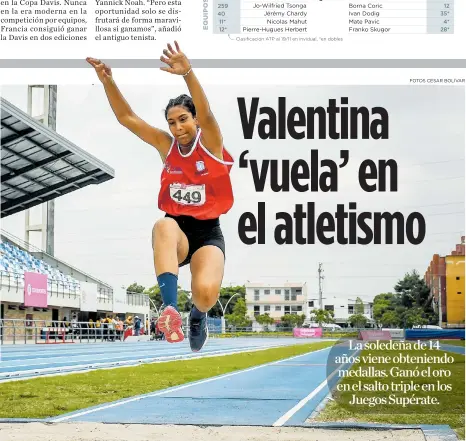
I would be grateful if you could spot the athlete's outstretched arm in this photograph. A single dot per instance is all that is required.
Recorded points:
(159, 139)
(180, 65)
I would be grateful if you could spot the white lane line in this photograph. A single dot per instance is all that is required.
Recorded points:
(89, 348)
(133, 362)
(284, 418)
(6, 377)
(123, 357)
(116, 347)
(185, 386)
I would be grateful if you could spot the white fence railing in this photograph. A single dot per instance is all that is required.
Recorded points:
(17, 331)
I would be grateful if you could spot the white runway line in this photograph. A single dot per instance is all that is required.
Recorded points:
(284, 418)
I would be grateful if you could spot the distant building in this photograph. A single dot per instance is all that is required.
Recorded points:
(276, 300)
(445, 278)
(343, 308)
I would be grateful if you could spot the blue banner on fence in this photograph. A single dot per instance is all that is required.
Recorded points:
(214, 325)
(414, 334)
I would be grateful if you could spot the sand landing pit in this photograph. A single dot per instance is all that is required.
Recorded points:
(142, 432)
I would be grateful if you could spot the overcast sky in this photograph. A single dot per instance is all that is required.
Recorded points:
(105, 230)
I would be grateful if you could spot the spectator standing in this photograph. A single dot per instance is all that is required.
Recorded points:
(137, 325)
(91, 327)
(152, 327)
(75, 325)
(120, 328)
(111, 329)
(104, 327)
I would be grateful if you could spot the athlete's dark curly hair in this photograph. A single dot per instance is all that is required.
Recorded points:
(184, 101)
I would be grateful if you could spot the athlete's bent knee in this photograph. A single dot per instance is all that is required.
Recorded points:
(163, 228)
(206, 297)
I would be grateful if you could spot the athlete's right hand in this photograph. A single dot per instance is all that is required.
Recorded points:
(103, 71)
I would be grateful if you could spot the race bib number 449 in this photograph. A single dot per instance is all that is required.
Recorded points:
(188, 194)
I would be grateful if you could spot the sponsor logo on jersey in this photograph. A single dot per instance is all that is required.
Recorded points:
(173, 170)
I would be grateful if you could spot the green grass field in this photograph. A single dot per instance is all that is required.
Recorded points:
(276, 334)
(450, 409)
(46, 397)
(253, 334)
(453, 342)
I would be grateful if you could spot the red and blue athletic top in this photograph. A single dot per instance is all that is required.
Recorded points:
(196, 184)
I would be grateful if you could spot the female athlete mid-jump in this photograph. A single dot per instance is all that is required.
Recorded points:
(195, 191)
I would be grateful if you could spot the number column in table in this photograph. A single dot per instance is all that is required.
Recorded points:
(227, 17)
(389, 17)
(440, 18)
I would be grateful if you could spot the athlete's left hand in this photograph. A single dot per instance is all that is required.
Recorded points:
(179, 64)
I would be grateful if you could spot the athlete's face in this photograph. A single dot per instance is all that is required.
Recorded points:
(182, 124)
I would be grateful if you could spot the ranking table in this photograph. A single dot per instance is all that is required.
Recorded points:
(348, 17)
(401, 17)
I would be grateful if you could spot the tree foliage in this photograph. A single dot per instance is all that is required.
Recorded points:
(264, 320)
(358, 320)
(238, 317)
(413, 290)
(134, 287)
(359, 307)
(384, 303)
(292, 320)
(226, 298)
(321, 316)
(408, 306)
